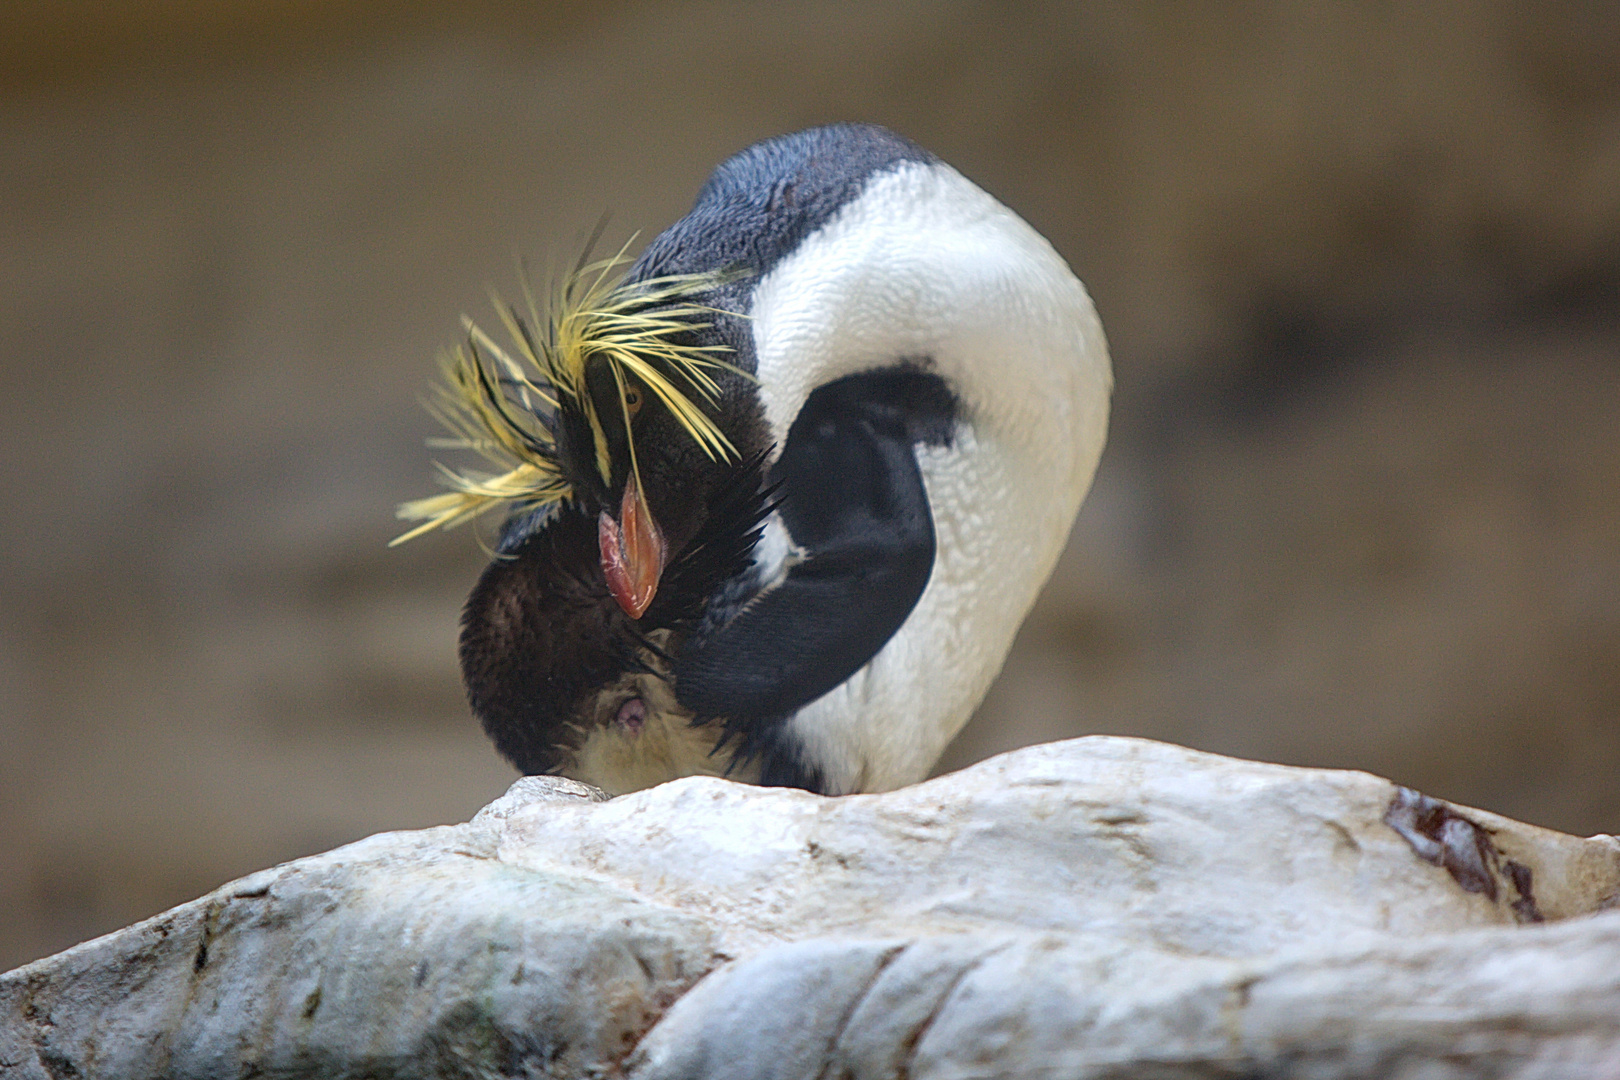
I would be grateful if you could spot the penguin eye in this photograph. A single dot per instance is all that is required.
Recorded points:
(632, 400)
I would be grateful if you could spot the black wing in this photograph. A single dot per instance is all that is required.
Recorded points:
(853, 499)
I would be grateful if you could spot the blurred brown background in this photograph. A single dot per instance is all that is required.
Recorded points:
(1360, 265)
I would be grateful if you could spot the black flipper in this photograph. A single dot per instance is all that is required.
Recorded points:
(853, 498)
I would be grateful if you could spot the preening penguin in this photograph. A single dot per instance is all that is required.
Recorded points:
(781, 495)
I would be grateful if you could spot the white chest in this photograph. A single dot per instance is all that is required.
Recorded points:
(926, 268)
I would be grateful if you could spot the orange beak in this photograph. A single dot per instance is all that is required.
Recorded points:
(632, 551)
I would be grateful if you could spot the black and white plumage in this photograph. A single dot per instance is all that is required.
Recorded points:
(913, 392)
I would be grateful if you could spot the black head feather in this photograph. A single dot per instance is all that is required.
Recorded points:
(542, 638)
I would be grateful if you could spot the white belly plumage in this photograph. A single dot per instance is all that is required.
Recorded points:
(925, 268)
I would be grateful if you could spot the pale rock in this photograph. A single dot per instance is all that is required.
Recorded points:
(1104, 907)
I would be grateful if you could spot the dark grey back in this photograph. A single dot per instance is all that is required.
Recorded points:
(760, 204)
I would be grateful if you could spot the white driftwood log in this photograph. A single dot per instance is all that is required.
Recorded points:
(1098, 908)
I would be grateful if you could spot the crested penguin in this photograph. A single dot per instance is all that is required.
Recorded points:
(780, 492)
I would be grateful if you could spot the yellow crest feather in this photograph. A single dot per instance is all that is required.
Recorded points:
(499, 403)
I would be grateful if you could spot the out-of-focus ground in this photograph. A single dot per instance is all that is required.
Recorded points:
(1360, 266)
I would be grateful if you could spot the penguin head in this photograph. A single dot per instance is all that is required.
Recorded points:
(633, 456)
(779, 497)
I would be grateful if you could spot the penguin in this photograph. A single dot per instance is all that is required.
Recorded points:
(779, 491)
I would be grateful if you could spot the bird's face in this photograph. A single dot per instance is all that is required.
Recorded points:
(630, 539)
(653, 496)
